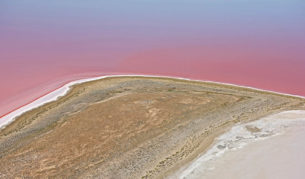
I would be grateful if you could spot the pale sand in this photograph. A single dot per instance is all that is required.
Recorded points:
(274, 150)
(128, 127)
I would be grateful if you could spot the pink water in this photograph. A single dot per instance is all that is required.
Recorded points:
(44, 44)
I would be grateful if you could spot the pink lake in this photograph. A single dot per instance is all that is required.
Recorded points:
(45, 44)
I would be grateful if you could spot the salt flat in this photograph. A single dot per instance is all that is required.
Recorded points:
(271, 147)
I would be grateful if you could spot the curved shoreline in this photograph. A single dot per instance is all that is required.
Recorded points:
(167, 121)
(9, 117)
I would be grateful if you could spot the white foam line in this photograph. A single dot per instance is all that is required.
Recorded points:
(52, 96)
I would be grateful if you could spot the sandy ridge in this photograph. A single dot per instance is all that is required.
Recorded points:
(129, 126)
(61, 91)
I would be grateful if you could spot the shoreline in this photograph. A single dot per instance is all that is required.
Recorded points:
(264, 129)
(170, 122)
(62, 90)
(35, 92)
